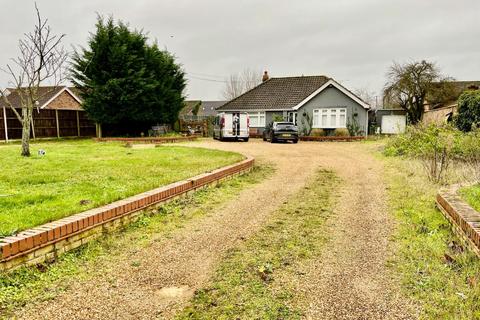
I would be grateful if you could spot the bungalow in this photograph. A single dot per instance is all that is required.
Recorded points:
(316, 104)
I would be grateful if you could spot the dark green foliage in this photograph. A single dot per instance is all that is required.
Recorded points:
(125, 80)
(468, 110)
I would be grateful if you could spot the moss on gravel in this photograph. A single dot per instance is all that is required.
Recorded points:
(244, 285)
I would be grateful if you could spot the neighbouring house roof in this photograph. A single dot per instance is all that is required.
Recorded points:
(209, 108)
(190, 106)
(205, 108)
(458, 88)
(47, 95)
(286, 93)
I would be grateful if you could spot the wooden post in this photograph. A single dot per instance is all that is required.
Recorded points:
(78, 123)
(99, 130)
(5, 123)
(58, 125)
(33, 128)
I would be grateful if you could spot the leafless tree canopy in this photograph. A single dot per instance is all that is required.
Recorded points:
(41, 60)
(367, 95)
(241, 82)
(408, 85)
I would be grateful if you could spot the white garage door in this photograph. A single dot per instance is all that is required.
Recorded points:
(393, 124)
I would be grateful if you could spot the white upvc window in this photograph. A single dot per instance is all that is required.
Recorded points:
(257, 119)
(330, 118)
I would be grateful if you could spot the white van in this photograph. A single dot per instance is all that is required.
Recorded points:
(231, 125)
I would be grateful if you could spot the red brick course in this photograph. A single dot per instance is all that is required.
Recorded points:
(464, 219)
(36, 238)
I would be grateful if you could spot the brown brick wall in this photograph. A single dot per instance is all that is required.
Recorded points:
(464, 219)
(64, 101)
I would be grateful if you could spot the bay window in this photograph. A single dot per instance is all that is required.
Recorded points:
(330, 118)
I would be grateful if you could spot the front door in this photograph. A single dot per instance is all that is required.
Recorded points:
(292, 117)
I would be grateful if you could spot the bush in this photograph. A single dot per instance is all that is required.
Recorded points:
(341, 132)
(437, 146)
(318, 132)
(468, 117)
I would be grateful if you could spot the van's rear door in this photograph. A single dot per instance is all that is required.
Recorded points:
(243, 125)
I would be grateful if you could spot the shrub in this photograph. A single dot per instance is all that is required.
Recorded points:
(468, 117)
(353, 127)
(436, 147)
(318, 132)
(341, 132)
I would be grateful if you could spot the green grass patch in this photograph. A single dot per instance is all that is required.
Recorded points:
(436, 270)
(78, 175)
(30, 284)
(244, 285)
(472, 196)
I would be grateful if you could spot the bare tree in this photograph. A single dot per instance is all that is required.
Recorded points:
(367, 95)
(241, 82)
(409, 84)
(42, 59)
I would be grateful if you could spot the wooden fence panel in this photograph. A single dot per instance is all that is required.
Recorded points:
(45, 124)
(67, 120)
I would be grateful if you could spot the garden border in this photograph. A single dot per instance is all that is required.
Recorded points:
(331, 138)
(48, 241)
(149, 139)
(464, 219)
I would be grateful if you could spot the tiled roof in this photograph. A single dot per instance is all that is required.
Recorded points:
(45, 93)
(277, 94)
(209, 108)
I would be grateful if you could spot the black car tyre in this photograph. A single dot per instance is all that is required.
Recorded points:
(246, 139)
(295, 141)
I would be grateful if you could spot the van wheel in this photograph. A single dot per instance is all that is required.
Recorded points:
(295, 141)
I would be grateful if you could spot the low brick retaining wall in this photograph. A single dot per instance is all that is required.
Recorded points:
(46, 242)
(464, 219)
(150, 139)
(331, 138)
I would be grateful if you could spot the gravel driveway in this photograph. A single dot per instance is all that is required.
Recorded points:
(350, 281)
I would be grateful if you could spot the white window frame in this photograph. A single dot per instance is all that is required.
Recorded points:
(294, 116)
(328, 112)
(260, 118)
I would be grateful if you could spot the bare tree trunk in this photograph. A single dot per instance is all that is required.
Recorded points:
(26, 113)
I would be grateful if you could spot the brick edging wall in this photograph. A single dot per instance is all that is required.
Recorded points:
(149, 139)
(331, 138)
(464, 219)
(47, 241)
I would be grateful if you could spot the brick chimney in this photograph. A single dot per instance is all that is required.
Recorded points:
(265, 76)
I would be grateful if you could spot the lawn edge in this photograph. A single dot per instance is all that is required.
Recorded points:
(48, 241)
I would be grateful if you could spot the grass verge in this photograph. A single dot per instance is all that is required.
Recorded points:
(31, 284)
(472, 196)
(436, 269)
(244, 285)
(77, 175)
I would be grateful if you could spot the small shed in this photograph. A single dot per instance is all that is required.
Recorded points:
(391, 121)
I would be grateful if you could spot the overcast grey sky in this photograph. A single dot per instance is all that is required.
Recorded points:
(352, 41)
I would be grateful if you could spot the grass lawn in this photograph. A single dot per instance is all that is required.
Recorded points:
(437, 271)
(76, 175)
(472, 196)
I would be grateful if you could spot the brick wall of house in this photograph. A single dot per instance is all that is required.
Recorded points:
(64, 101)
